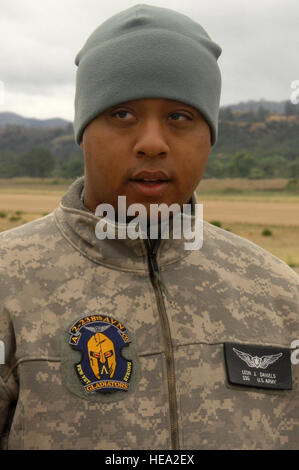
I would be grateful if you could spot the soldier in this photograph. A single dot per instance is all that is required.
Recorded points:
(140, 343)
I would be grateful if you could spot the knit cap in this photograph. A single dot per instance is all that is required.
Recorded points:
(147, 52)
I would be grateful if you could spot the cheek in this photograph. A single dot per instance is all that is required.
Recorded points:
(201, 154)
(193, 167)
(192, 170)
(99, 162)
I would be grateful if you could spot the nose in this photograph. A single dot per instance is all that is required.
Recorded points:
(151, 139)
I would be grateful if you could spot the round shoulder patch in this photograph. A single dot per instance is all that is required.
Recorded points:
(100, 340)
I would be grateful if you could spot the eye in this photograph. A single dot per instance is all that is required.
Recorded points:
(121, 113)
(181, 114)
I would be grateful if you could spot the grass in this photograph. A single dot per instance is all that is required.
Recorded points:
(248, 195)
(57, 186)
(242, 189)
(283, 243)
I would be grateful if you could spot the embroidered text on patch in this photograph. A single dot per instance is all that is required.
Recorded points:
(102, 367)
(259, 366)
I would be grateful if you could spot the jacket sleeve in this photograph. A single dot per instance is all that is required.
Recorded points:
(8, 381)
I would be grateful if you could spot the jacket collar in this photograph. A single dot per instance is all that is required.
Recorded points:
(78, 225)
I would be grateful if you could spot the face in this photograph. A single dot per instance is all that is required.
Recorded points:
(150, 150)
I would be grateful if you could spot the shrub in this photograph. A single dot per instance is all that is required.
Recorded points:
(14, 218)
(291, 263)
(292, 185)
(216, 222)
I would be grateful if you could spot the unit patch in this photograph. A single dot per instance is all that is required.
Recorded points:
(102, 367)
(258, 366)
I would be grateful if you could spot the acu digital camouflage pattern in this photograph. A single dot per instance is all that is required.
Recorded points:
(54, 271)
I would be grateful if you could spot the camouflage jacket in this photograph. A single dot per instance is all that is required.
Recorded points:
(78, 313)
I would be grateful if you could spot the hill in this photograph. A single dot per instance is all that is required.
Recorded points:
(257, 139)
(17, 120)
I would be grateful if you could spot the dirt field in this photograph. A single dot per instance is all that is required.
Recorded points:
(245, 207)
(30, 203)
(252, 212)
(213, 184)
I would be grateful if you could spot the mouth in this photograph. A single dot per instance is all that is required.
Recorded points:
(151, 177)
(150, 182)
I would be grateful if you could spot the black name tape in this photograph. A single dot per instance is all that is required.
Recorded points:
(258, 366)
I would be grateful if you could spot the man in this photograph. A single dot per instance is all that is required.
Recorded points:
(140, 343)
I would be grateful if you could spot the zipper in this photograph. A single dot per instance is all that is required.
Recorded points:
(159, 286)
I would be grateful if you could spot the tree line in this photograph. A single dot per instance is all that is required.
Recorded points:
(252, 144)
(39, 162)
(243, 164)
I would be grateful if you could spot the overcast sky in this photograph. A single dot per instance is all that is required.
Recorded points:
(40, 39)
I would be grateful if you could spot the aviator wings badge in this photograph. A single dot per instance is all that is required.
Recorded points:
(257, 362)
(259, 366)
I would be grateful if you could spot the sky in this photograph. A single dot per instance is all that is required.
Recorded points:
(39, 42)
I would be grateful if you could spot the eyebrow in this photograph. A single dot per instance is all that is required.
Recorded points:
(177, 104)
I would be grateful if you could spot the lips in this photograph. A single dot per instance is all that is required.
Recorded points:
(150, 183)
(151, 176)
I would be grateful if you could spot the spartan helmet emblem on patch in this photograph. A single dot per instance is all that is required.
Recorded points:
(100, 340)
(101, 355)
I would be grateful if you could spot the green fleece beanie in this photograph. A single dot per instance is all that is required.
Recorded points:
(147, 52)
